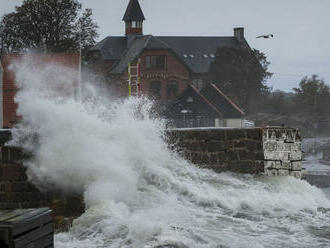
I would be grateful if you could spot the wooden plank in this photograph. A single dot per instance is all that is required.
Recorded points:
(30, 215)
(30, 224)
(12, 214)
(35, 235)
(47, 241)
(28, 218)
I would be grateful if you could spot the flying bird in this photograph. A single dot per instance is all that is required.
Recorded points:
(265, 36)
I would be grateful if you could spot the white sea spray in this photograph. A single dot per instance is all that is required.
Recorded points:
(138, 192)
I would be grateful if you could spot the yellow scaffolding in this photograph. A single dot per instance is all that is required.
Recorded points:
(134, 72)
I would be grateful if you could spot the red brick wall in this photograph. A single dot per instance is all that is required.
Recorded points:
(134, 31)
(175, 71)
(9, 88)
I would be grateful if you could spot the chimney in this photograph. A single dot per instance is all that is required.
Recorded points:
(239, 33)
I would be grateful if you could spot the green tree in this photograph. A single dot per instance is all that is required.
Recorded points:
(55, 26)
(7, 32)
(241, 73)
(313, 97)
(278, 102)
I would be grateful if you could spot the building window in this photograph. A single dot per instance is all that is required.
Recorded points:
(134, 24)
(172, 89)
(155, 89)
(156, 62)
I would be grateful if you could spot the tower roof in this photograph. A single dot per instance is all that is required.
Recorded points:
(133, 12)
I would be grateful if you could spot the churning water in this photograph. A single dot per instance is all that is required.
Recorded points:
(141, 194)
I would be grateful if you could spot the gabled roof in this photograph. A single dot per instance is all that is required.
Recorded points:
(133, 12)
(132, 52)
(199, 106)
(136, 47)
(197, 53)
(210, 97)
(111, 48)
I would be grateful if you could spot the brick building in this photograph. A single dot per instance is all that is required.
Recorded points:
(204, 108)
(168, 64)
(9, 88)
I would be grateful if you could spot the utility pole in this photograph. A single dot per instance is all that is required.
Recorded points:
(79, 90)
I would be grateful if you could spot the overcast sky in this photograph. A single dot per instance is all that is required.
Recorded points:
(301, 28)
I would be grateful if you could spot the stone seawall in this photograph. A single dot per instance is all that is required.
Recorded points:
(272, 151)
(17, 192)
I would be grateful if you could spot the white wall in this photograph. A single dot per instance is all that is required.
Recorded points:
(236, 123)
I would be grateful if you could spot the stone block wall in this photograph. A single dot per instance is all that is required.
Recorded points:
(15, 190)
(271, 151)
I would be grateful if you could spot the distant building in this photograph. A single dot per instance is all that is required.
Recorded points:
(208, 107)
(9, 86)
(168, 64)
(171, 69)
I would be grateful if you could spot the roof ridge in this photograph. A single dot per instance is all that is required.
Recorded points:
(149, 36)
(161, 41)
(193, 36)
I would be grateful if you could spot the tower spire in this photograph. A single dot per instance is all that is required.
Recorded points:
(134, 18)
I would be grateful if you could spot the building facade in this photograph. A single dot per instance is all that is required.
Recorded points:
(166, 65)
(9, 85)
(208, 107)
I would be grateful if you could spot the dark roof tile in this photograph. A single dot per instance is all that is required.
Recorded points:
(219, 100)
(132, 52)
(133, 12)
(196, 52)
(212, 100)
(111, 48)
(198, 47)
